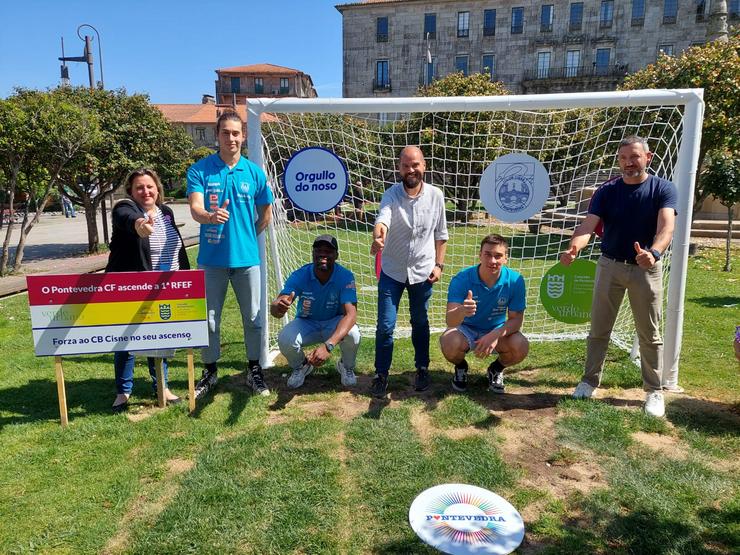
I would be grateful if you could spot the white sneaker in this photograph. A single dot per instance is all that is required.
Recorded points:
(298, 376)
(654, 404)
(348, 374)
(583, 391)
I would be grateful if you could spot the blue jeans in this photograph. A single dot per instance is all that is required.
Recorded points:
(246, 285)
(389, 295)
(123, 364)
(301, 332)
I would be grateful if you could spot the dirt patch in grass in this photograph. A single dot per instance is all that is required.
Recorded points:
(344, 406)
(667, 445)
(145, 507)
(529, 443)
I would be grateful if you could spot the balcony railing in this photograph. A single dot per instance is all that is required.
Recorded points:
(545, 27)
(517, 29)
(575, 72)
(638, 21)
(669, 19)
(382, 85)
(463, 33)
(605, 24)
(575, 26)
(489, 31)
(381, 37)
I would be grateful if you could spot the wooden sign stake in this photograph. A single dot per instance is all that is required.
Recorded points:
(191, 382)
(61, 393)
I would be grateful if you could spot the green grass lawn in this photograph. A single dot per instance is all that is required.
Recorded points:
(323, 470)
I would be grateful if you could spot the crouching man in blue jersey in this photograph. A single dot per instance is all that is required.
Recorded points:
(326, 315)
(485, 310)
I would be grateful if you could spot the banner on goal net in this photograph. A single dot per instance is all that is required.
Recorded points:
(573, 137)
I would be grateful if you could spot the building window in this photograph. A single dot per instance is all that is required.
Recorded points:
(701, 10)
(670, 9)
(575, 21)
(606, 14)
(603, 55)
(638, 13)
(235, 85)
(461, 64)
(733, 10)
(666, 49)
(284, 88)
(430, 71)
(572, 63)
(517, 21)
(200, 133)
(488, 65)
(543, 65)
(546, 17)
(489, 23)
(463, 24)
(381, 29)
(259, 85)
(430, 25)
(382, 75)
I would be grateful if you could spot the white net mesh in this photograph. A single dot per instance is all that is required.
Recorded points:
(577, 146)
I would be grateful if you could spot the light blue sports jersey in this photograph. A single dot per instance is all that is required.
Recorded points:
(321, 302)
(508, 293)
(234, 243)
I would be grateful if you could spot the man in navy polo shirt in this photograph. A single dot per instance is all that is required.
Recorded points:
(638, 211)
(485, 311)
(230, 198)
(326, 315)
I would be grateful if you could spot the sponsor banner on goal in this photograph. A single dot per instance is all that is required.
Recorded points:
(566, 292)
(465, 519)
(315, 179)
(514, 187)
(117, 311)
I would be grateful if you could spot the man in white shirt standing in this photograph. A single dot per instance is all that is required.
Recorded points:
(411, 232)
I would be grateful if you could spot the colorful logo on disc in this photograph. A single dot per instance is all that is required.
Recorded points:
(514, 187)
(465, 519)
(566, 292)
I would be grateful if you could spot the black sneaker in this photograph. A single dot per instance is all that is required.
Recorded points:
(422, 380)
(460, 379)
(206, 382)
(379, 386)
(256, 380)
(495, 381)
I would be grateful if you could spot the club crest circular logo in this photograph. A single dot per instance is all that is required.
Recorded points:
(514, 187)
(465, 519)
(566, 292)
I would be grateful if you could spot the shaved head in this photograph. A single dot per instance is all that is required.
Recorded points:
(411, 166)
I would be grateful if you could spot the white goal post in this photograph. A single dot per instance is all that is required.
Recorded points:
(574, 135)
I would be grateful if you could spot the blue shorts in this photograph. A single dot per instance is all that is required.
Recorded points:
(472, 335)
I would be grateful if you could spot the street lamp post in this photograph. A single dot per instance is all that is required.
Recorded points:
(87, 57)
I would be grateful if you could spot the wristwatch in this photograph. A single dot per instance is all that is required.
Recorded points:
(329, 346)
(656, 254)
(440, 266)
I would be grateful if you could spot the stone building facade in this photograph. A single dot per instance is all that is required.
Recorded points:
(235, 84)
(392, 47)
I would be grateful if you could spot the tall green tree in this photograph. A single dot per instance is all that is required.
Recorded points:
(715, 67)
(721, 178)
(41, 136)
(134, 134)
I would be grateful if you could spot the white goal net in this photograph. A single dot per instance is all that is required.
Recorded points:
(574, 136)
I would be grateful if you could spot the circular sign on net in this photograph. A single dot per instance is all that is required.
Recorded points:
(315, 179)
(514, 187)
(464, 519)
(566, 292)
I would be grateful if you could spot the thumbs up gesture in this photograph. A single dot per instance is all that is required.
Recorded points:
(567, 257)
(144, 226)
(644, 257)
(469, 305)
(220, 215)
(282, 304)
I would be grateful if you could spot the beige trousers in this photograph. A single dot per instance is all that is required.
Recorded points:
(645, 291)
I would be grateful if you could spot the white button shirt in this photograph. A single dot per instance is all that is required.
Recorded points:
(414, 224)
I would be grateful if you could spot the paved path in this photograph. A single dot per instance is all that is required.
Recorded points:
(57, 245)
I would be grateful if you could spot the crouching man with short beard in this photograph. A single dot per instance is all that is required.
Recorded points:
(485, 311)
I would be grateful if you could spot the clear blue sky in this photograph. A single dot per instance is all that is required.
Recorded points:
(167, 48)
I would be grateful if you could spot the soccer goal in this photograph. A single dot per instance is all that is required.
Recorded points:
(575, 137)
